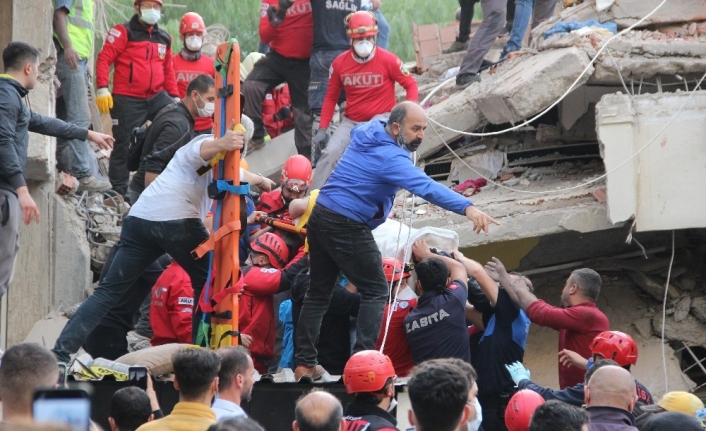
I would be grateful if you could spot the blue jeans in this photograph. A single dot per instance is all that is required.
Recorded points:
(320, 65)
(383, 38)
(74, 87)
(339, 244)
(141, 243)
(523, 15)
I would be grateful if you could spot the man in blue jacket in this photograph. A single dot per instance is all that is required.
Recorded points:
(356, 199)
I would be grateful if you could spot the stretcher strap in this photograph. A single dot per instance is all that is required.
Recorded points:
(216, 236)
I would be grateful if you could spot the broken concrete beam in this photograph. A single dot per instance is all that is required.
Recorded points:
(651, 286)
(698, 308)
(690, 330)
(681, 309)
(638, 67)
(268, 159)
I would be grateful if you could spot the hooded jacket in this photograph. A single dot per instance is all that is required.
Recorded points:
(373, 168)
(16, 121)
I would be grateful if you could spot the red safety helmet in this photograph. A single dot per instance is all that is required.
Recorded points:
(161, 2)
(296, 173)
(617, 346)
(274, 247)
(191, 22)
(361, 24)
(393, 269)
(367, 371)
(520, 408)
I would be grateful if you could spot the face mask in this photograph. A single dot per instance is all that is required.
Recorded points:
(475, 423)
(363, 48)
(207, 110)
(150, 16)
(393, 404)
(193, 43)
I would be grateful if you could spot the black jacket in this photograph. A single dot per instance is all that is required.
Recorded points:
(368, 417)
(574, 395)
(610, 419)
(16, 121)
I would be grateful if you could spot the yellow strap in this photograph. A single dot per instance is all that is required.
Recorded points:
(304, 219)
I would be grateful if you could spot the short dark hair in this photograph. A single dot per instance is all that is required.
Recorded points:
(25, 368)
(438, 391)
(588, 281)
(467, 369)
(397, 115)
(17, 54)
(201, 83)
(596, 366)
(332, 423)
(239, 423)
(130, 408)
(432, 274)
(234, 361)
(555, 415)
(373, 398)
(195, 368)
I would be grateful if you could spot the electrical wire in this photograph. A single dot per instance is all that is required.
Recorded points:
(664, 316)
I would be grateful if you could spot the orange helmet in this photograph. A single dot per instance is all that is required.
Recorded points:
(274, 247)
(520, 408)
(367, 371)
(361, 24)
(296, 173)
(191, 22)
(617, 346)
(393, 269)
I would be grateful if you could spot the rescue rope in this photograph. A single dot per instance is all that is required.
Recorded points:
(664, 316)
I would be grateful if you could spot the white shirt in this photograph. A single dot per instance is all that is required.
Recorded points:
(227, 409)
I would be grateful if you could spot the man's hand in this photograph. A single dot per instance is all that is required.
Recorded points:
(420, 250)
(71, 57)
(496, 270)
(104, 100)
(284, 113)
(245, 340)
(252, 217)
(569, 358)
(480, 220)
(233, 139)
(154, 402)
(376, 4)
(472, 267)
(518, 372)
(27, 205)
(105, 142)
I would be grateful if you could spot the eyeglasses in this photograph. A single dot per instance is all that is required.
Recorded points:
(295, 185)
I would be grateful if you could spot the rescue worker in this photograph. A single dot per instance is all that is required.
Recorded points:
(143, 80)
(73, 38)
(191, 62)
(370, 377)
(287, 25)
(368, 75)
(172, 307)
(294, 183)
(405, 299)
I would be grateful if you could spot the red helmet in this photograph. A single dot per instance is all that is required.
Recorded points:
(361, 24)
(393, 269)
(520, 408)
(367, 371)
(161, 2)
(617, 346)
(191, 22)
(274, 247)
(296, 173)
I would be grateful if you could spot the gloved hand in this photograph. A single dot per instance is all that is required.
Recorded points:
(286, 4)
(282, 114)
(276, 15)
(104, 100)
(518, 372)
(319, 143)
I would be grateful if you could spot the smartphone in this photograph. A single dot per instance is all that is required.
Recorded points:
(138, 377)
(70, 407)
(62, 374)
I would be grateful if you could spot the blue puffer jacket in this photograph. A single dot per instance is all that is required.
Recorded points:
(373, 168)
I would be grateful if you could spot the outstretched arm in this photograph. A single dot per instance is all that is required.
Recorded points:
(456, 269)
(475, 270)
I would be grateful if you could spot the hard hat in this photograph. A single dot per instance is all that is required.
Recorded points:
(367, 371)
(361, 24)
(274, 247)
(520, 408)
(393, 269)
(244, 164)
(191, 22)
(161, 2)
(617, 346)
(296, 173)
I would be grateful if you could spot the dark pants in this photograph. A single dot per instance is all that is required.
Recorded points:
(494, 412)
(339, 244)
(268, 73)
(464, 25)
(320, 64)
(128, 113)
(141, 243)
(493, 22)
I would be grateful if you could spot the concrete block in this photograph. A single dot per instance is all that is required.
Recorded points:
(71, 254)
(268, 160)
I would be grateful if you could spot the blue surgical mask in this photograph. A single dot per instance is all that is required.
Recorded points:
(150, 16)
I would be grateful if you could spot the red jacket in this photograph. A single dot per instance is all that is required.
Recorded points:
(396, 346)
(295, 36)
(577, 327)
(142, 60)
(369, 86)
(273, 204)
(172, 307)
(185, 71)
(273, 102)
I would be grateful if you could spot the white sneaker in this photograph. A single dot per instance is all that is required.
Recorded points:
(93, 184)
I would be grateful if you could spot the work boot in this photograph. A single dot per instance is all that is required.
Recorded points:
(314, 373)
(93, 184)
(136, 341)
(465, 79)
(256, 144)
(457, 46)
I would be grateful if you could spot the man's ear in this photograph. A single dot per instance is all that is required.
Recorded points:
(395, 127)
(465, 415)
(295, 426)
(343, 425)
(214, 385)
(113, 427)
(587, 395)
(151, 418)
(28, 68)
(632, 403)
(176, 384)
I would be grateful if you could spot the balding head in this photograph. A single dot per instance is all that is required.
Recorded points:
(611, 386)
(318, 411)
(406, 125)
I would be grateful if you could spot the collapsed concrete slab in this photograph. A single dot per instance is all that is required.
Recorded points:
(268, 160)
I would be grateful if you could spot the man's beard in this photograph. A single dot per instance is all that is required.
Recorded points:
(411, 145)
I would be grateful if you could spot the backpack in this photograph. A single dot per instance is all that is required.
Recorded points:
(137, 143)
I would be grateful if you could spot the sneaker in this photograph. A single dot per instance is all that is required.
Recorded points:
(93, 184)
(314, 373)
(466, 79)
(457, 46)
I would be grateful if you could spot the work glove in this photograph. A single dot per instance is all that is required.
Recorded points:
(104, 100)
(518, 372)
(282, 114)
(276, 15)
(319, 141)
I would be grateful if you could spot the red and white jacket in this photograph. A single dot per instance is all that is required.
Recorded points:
(185, 71)
(273, 102)
(295, 36)
(171, 307)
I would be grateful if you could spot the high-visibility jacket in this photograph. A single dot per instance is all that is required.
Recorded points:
(79, 23)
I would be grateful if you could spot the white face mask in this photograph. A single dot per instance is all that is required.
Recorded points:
(208, 109)
(393, 404)
(475, 423)
(193, 43)
(363, 48)
(150, 16)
